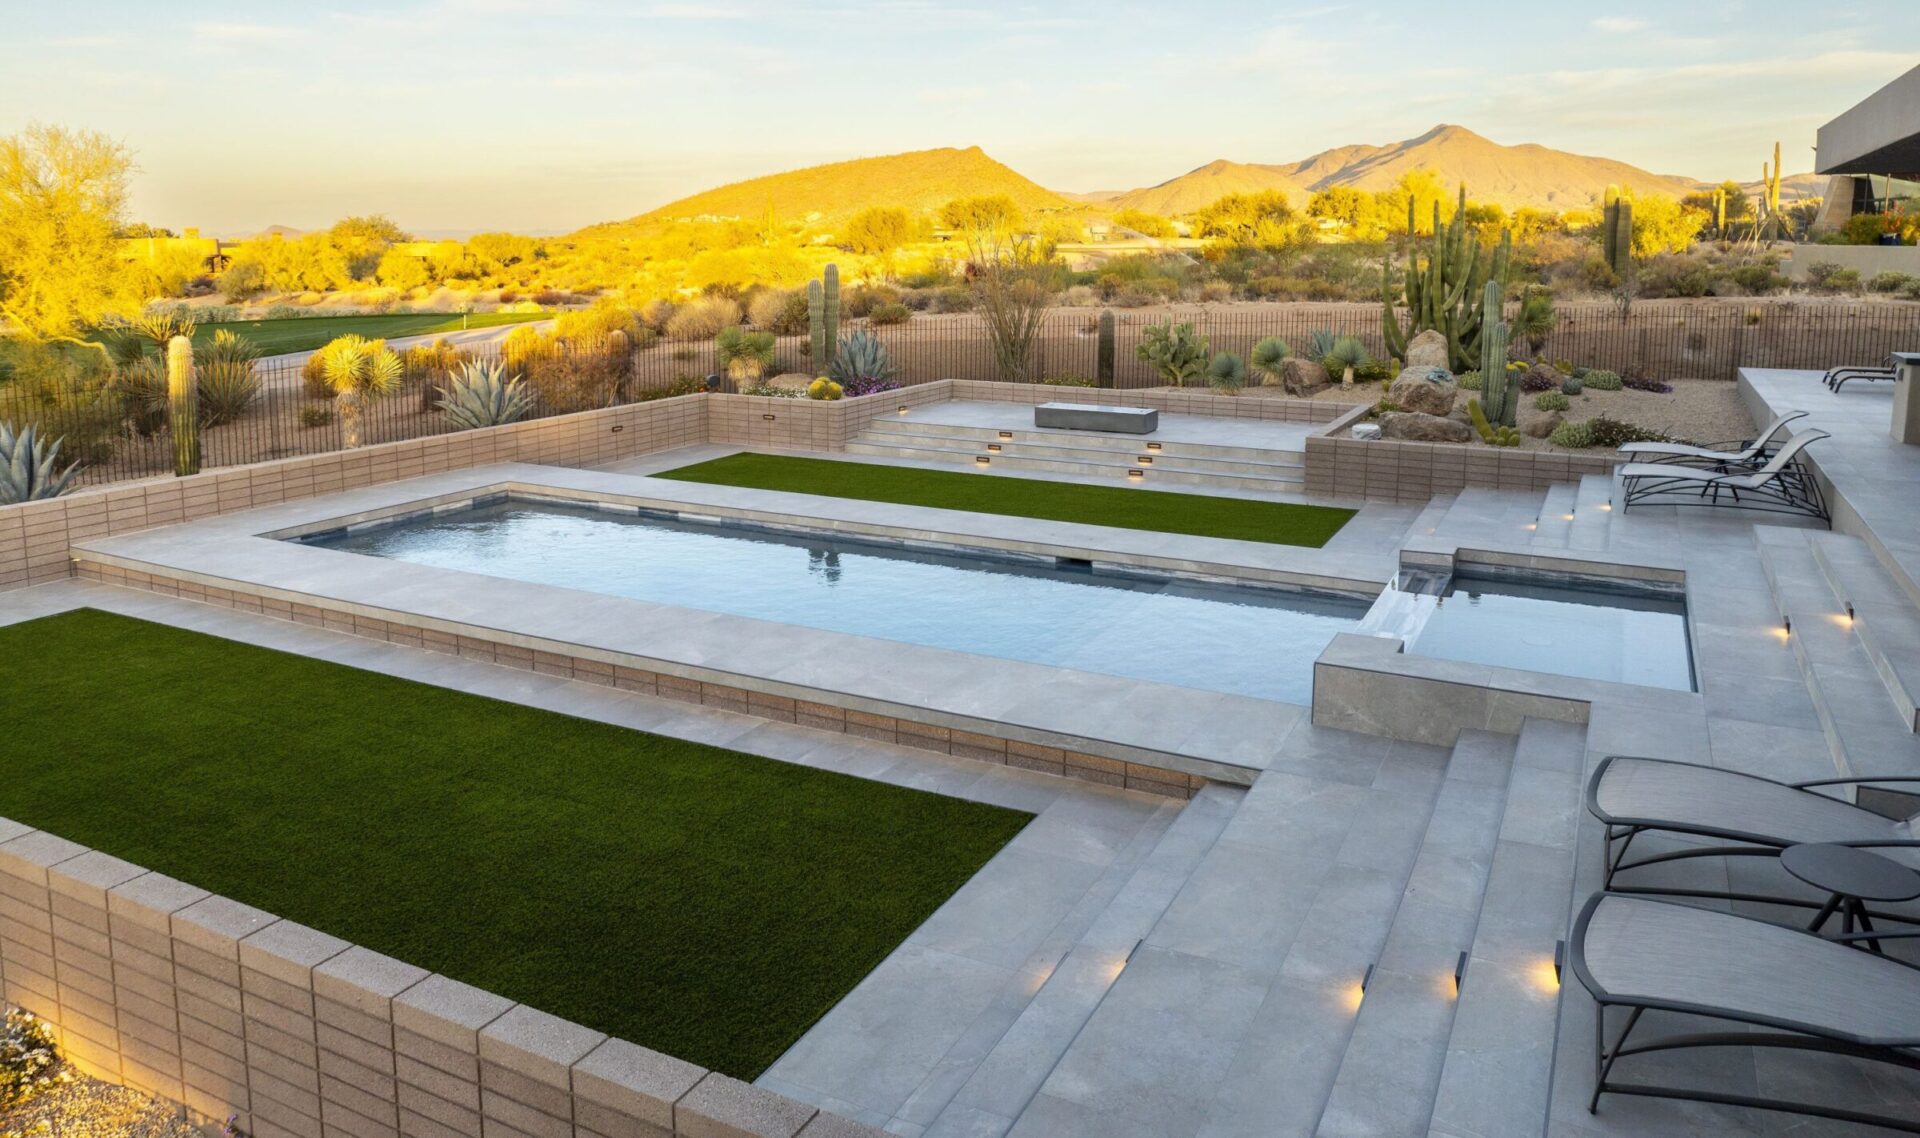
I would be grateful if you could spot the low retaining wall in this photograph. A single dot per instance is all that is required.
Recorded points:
(1393, 470)
(292, 1033)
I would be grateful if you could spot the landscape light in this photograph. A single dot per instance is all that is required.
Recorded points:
(1006, 434)
(1459, 972)
(1136, 473)
(903, 408)
(1849, 610)
(1559, 958)
(769, 418)
(994, 447)
(1146, 460)
(1153, 446)
(1366, 978)
(1786, 624)
(981, 460)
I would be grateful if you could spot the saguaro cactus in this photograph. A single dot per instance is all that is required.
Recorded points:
(1499, 394)
(183, 407)
(1616, 236)
(1443, 292)
(831, 313)
(1103, 353)
(816, 326)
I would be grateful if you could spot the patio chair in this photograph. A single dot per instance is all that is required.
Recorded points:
(1836, 378)
(1719, 456)
(1770, 986)
(1782, 486)
(1757, 816)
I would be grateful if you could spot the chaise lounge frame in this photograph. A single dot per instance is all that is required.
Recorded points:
(1782, 486)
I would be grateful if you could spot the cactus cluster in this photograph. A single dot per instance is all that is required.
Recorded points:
(1493, 434)
(823, 316)
(1616, 233)
(1499, 388)
(1104, 350)
(1442, 291)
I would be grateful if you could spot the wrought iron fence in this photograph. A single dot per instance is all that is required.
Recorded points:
(116, 438)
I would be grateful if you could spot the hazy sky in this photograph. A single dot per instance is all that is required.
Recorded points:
(543, 115)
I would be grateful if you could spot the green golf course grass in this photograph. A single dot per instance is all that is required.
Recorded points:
(1200, 515)
(699, 901)
(305, 333)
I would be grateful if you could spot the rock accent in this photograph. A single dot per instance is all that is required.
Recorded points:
(1428, 349)
(1543, 426)
(1415, 391)
(1303, 377)
(1414, 426)
(791, 381)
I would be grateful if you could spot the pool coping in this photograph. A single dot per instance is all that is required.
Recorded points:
(1110, 729)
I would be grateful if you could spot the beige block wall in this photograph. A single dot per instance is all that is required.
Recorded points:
(292, 1033)
(1395, 471)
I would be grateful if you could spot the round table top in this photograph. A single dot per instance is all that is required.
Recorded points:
(1851, 872)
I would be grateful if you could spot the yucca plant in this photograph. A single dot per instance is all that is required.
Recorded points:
(745, 355)
(1266, 358)
(1343, 356)
(30, 466)
(862, 365)
(142, 390)
(1227, 373)
(481, 395)
(359, 371)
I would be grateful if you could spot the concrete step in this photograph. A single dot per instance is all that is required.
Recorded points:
(952, 434)
(1270, 464)
(1865, 733)
(1498, 1075)
(1392, 1063)
(1555, 522)
(1283, 479)
(997, 1086)
(1880, 614)
(1592, 513)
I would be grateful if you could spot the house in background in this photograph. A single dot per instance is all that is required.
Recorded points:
(1871, 155)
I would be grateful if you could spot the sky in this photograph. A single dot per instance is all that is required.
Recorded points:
(541, 116)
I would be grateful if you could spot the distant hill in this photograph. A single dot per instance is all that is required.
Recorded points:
(1199, 188)
(922, 181)
(1528, 174)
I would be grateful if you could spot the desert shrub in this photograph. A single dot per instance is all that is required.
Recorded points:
(655, 314)
(1216, 291)
(225, 378)
(744, 356)
(316, 416)
(1079, 296)
(702, 318)
(1827, 277)
(884, 314)
(1634, 381)
(594, 324)
(1131, 297)
(683, 385)
(1469, 381)
(1603, 431)
(1912, 291)
(1551, 401)
(919, 299)
(1573, 436)
(779, 310)
(955, 298)
(564, 382)
(861, 301)
(1758, 279)
(1889, 282)
(1675, 274)
(547, 297)
(1069, 381)
(1540, 377)
(66, 393)
(1374, 369)
(242, 280)
(29, 1058)
(1600, 379)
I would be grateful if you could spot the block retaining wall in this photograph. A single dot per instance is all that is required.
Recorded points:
(235, 1013)
(1393, 470)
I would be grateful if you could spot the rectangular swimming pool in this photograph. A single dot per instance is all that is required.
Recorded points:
(1243, 640)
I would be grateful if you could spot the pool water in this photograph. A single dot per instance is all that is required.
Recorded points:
(1567, 631)
(1243, 640)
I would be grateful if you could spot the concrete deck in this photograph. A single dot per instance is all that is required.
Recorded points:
(1262, 434)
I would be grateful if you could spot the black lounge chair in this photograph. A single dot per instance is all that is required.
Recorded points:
(1774, 987)
(1836, 378)
(1782, 486)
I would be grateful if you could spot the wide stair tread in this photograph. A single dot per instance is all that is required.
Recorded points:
(1554, 524)
(1498, 1075)
(1592, 513)
(1884, 618)
(953, 435)
(1393, 1060)
(999, 1085)
(1866, 734)
(1235, 474)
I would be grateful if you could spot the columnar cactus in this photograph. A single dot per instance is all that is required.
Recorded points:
(1616, 236)
(1443, 292)
(831, 296)
(183, 407)
(816, 325)
(1499, 392)
(1103, 352)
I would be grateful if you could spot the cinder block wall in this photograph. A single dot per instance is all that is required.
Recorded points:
(235, 1013)
(1397, 471)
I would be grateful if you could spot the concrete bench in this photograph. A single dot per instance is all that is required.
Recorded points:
(1095, 417)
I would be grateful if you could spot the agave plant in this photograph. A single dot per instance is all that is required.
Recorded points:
(1343, 355)
(1323, 341)
(861, 365)
(227, 383)
(481, 395)
(1227, 373)
(1266, 357)
(359, 371)
(29, 466)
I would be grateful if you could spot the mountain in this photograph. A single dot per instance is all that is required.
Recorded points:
(1528, 174)
(1206, 185)
(922, 181)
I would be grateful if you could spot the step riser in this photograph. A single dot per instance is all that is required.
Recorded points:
(970, 435)
(1084, 469)
(1872, 608)
(1280, 468)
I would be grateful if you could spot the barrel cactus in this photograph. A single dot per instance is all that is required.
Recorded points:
(1572, 385)
(824, 389)
(481, 395)
(30, 466)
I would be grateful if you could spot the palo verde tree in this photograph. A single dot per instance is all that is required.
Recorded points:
(63, 197)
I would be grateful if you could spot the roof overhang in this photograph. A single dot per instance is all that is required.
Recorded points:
(1880, 135)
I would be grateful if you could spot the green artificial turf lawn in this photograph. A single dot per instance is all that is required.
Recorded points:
(703, 902)
(1202, 515)
(305, 333)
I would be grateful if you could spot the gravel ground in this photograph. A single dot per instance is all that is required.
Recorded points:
(88, 1108)
(1701, 410)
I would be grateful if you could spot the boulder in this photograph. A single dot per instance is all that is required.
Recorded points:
(791, 381)
(1543, 426)
(1418, 389)
(1428, 349)
(1416, 427)
(1303, 377)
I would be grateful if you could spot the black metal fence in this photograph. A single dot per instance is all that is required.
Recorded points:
(120, 434)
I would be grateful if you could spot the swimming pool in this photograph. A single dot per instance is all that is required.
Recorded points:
(1239, 639)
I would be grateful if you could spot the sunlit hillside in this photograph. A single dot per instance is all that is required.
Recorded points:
(1200, 188)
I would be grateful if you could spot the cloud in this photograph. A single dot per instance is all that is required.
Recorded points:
(695, 12)
(231, 33)
(1620, 25)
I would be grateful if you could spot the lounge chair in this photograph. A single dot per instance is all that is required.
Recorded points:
(1836, 378)
(1720, 457)
(1772, 986)
(1782, 486)
(1757, 816)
